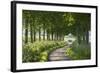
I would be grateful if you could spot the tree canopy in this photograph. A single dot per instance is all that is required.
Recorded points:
(50, 25)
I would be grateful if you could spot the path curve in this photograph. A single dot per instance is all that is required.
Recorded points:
(59, 54)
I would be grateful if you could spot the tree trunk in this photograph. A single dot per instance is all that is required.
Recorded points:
(63, 37)
(48, 35)
(57, 36)
(60, 37)
(79, 38)
(31, 32)
(44, 34)
(39, 34)
(26, 31)
(34, 34)
(87, 37)
(83, 38)
(52, 36)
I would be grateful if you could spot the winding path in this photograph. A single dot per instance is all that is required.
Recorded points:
(59, 54)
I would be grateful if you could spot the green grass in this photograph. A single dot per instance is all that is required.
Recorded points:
(79, 52)
(39, 50)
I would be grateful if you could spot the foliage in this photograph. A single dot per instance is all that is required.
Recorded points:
(79, 52)
(38, 51)
(44, 31)
(48, 22)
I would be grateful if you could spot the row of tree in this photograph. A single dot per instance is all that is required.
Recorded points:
(55, 25)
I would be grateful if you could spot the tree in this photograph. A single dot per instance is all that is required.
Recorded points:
(82, 26)
(26, 24)
(55, 25)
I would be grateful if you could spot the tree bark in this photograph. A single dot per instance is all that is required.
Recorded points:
(26, 31)
(40, 34)
(48, 35)
(87, 37)
(57, 36)
(52, 36)
(31, 32)
(34, 34)
(79, 38)
(44, 32)
(44, 35)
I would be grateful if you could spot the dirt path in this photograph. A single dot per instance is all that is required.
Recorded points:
(59, 55)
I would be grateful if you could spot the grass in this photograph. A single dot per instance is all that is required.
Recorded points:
(79, 52)
(39, 50)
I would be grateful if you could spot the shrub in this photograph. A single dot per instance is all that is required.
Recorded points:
(78, 52)
(39, 50)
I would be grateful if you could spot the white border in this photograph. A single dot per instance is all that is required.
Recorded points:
(21, 65)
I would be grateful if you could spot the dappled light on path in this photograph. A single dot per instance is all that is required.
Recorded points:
(59, 55)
